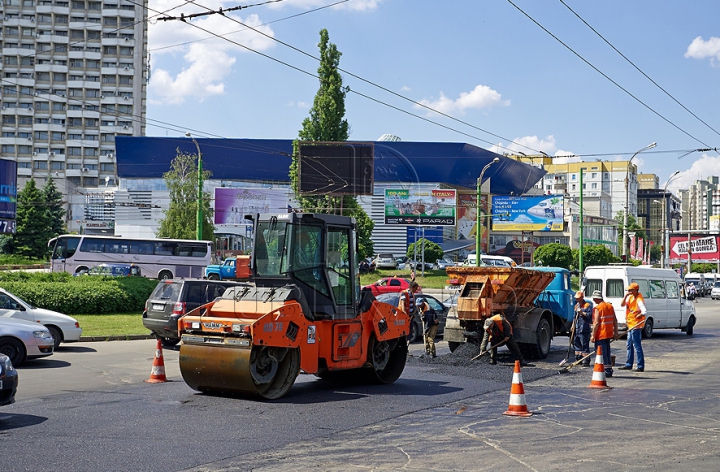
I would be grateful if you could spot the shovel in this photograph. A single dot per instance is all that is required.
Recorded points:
(487, 350)
(567, 369)
(572, 338)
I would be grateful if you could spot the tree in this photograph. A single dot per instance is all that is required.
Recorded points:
(593, 256)
(33, 223)
(433, 252)
(55, 210)
(327, 123)
(553, 255)
(633, 227)
(181, 216)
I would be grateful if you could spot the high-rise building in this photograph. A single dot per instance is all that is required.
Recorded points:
(74, 76)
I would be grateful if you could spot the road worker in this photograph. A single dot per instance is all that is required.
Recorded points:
(498, 332)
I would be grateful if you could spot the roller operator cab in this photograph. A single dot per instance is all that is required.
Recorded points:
(303, 310)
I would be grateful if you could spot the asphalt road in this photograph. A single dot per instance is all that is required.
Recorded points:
(87, 408)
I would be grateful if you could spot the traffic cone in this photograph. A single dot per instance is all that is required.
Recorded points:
(158, 369)
(517, 405)
(598, 378)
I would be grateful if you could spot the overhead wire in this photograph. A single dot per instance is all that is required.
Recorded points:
(596, 69)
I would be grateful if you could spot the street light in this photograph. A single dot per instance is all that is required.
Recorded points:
(199, 220)
(477, 212)
(665, 235)
(627, 199)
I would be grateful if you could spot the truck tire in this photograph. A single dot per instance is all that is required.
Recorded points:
(213, 277)
(453, 345)
(541, 347)
(690, 326)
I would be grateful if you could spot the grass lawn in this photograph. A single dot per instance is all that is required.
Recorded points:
(121, 324)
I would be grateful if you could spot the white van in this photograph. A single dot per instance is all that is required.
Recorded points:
(661, 289)
(698, 280)
(486, 260)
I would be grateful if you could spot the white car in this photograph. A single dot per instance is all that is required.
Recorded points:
(715, 292)
(21, 340)
(62, 327)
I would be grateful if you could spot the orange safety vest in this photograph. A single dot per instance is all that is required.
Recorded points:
(498, 320)
(633, 317)
(605, 318)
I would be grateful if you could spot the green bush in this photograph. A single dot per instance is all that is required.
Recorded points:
(79, 295)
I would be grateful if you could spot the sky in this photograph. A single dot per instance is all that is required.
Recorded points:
(573, 79)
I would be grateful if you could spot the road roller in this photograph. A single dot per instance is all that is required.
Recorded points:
(302, 309)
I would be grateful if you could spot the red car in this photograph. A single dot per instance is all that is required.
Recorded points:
(388, 285)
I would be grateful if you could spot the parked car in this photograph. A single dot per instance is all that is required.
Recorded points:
(112, 270)
(63, 328)
(22, 340)
(417, 329)
(8, 381)
(388, 285)
(417, 265)
(444, 263)
(385, 261)
(173, 298)
(401, 261)
(715, 292)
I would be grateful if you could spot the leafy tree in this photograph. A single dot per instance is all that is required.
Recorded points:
(327, 123)
(433, 252)
(553, 255)
(181, 216)
(33, 223)
(655, 252)
(633, 227)
(593, 256)
(55, 210)
(703, 267)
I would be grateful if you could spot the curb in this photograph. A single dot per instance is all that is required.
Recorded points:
(130, 337)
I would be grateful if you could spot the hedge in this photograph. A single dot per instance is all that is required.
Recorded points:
(83, 295)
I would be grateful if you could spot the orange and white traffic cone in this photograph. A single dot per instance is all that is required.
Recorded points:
(517, 405)
(598, 378)
(158, 368)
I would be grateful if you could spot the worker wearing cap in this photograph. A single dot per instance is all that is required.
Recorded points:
(497, 332)
(583, 327)
(430, 318)
(604, 329)
(407, 302)
(635, 312)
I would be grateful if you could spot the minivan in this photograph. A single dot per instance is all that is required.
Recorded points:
(172, 298)
(666, 304)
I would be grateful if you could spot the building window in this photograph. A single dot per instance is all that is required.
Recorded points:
(57, 165)
(40, 165)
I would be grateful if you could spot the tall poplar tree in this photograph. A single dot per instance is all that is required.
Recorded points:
(181, 216)
(327, 123)
(55, 210)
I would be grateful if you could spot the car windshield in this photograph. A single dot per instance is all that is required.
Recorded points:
(717, 284)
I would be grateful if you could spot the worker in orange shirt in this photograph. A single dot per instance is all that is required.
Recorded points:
(635, 313)
(604, 329)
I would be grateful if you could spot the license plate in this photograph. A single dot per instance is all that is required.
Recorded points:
(158, 306)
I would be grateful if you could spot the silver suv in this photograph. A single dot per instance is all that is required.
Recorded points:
(385, 261)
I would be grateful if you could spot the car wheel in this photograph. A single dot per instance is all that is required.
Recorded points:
(414, 333)
(647, 331)
(690, 326)
(56, 334)
(14, 349)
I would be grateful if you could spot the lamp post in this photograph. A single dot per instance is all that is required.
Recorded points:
(627, 198)
(199, 219)
(665, 235)
(478, 233)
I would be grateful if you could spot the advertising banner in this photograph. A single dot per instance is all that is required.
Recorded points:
(420, 207)
(8, 195)
(704, 248)
(541, 213)
(232, 204)
(467, 215)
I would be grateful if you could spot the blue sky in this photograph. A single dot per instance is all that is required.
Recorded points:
(504, 81)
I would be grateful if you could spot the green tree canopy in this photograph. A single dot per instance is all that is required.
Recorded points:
(553, 255)
(55, 210)
(181, 216)
(593, 256)
(327, 123)
(33, 223)
(433, 252)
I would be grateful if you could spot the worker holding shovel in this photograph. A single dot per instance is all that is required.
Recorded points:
(583, 327)
(497, 332)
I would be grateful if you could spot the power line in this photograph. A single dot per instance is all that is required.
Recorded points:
(637, 68)
(606, 76)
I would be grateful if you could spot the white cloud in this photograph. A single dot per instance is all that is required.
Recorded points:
(701, 49)
(299, 104)
(701, 169)
(480, 97)
(354, 5)
(204, 65)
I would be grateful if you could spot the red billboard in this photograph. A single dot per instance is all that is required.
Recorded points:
(702, 248)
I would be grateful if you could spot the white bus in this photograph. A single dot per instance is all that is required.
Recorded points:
(157, 258)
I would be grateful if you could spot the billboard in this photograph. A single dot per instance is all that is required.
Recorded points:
(8, 195)
(541, 213)
(467, 215)
(703, 248)
(232, 204)
(434, 207)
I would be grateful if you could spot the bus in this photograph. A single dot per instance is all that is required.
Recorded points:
(157, 258)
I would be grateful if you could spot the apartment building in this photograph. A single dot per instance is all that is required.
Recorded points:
(74, 77)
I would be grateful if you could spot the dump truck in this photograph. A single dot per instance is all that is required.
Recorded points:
(302, 309)
(486, 291)
(232, 268)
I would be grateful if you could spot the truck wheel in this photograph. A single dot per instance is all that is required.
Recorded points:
(213, 277)
(541, 347)
(165, 275)
(690, 326)
(453, 345)
(647, 331)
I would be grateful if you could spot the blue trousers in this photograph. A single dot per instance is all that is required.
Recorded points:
(634, 346)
